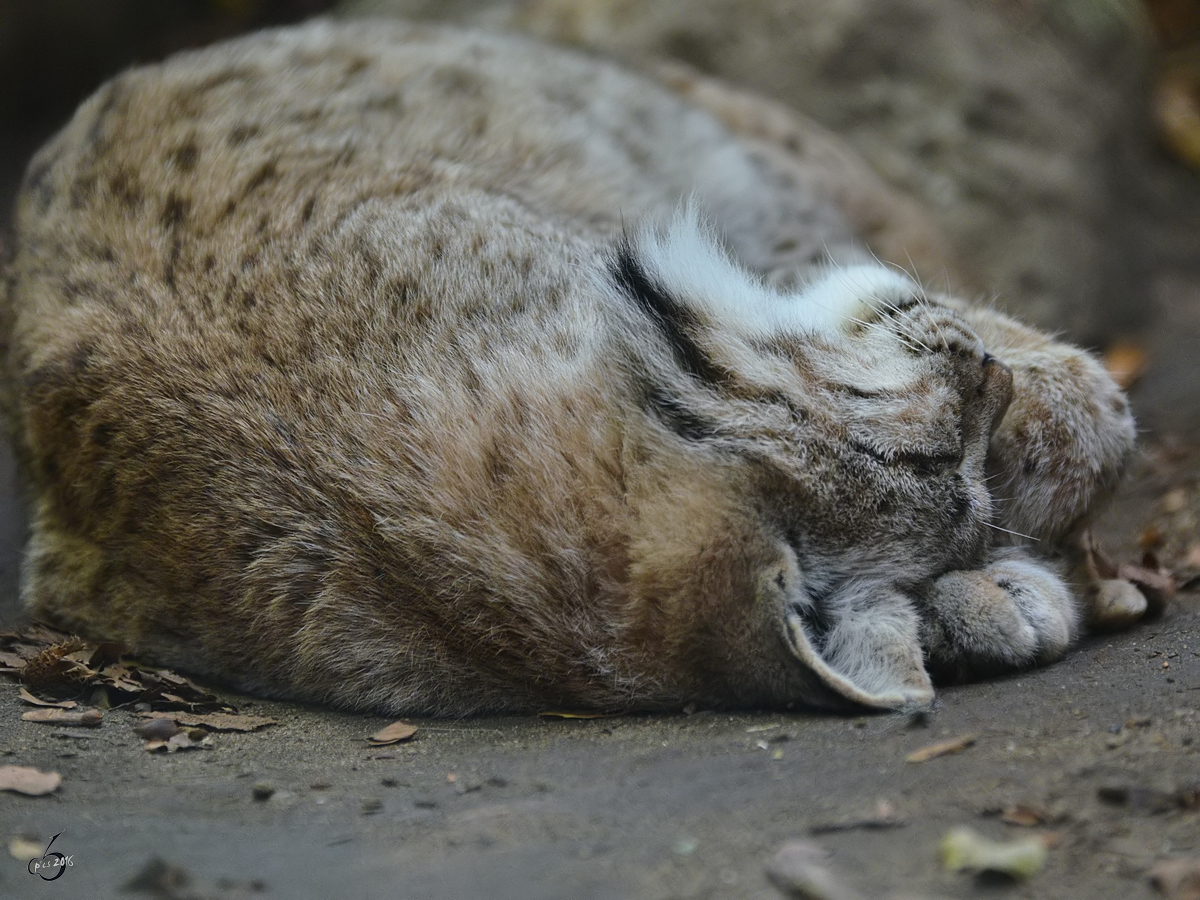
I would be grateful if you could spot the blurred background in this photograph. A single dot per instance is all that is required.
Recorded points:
(1056, 143)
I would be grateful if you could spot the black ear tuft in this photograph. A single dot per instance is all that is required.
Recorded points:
(677, 323)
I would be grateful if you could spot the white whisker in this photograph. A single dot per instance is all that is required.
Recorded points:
(1028, 537)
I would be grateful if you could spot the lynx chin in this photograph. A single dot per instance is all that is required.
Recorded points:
(443, 372)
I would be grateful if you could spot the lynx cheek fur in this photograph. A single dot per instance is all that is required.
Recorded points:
(391, 366)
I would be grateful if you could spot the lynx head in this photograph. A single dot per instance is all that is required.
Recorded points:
(859, 414)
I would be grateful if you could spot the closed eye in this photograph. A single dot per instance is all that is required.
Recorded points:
(864, 394)
(922, 463)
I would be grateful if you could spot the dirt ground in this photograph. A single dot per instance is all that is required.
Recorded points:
(1099, 753)
(1102, 748)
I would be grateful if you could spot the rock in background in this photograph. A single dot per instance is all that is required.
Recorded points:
(1009, 122)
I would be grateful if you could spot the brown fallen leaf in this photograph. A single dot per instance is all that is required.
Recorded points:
(216, 721)
(884, 815)
(1176, 22)
(1123, 594)
(36, 633)
(1096, 561)
(1126, 362)
(179, 741)
(38, 701)
(28, 781)
(1189, 797)
(1023, 815)
(392, 734)
(1116, 605)
(88, 718)
(1151, 538)
(56, 663)
(1192, 559)
(159, 728)
(1174, 500)
(120, 678)
(1156, 585)
(54, 670)
(1176, 104)
(941, 748)
(104, 654)
(1177, 879)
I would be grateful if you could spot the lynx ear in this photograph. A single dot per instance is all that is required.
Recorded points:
(871, 656)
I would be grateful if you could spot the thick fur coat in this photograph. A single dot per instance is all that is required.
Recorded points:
(441, 372)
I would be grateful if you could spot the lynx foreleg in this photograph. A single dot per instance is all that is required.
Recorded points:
(1012, 613)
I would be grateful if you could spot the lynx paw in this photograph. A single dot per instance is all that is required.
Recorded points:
(1012, 613)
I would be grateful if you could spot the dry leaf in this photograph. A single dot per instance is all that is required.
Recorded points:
(52, 661)
(1099, 566)
(1177, 879)
(36, 634)
(1189, 797)
(1192, 560)
(1126, 593)
(88, 718)
(37, 701)
(1175, 500)
(884, 815)
(1151, 538)
(104, 654)
(25, 849)
(120, 678)
(1126, 362)
(941, 748)
(964, 849)
(217, 721)
(180, 741)
(1176, 22)
(1156, 585)
(53, 669)
(1177, 110)
(1116, 605)
(28, 781)
(159, 728)
(1023, 815)
(393, 734)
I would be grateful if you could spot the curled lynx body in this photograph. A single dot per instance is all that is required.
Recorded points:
(347, 370)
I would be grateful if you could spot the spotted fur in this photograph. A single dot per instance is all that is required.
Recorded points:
(440, 372)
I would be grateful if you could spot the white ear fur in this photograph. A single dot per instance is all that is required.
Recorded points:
(844, 295)
(691, 266)
(872, 656)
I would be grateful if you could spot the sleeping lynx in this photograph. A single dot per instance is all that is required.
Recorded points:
(442, 372)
